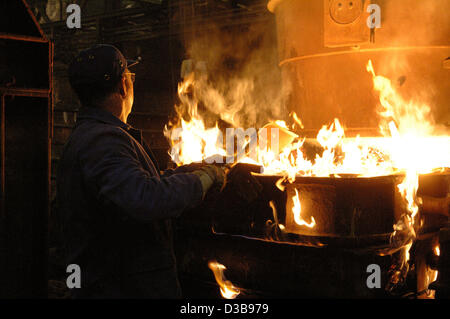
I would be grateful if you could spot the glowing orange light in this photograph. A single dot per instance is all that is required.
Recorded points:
(227, 289)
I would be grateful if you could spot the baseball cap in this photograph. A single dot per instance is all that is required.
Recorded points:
(100, 65)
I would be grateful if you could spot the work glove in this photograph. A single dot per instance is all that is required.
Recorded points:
(188, 168)
(241, 182)
(211, 160)
(210, 175)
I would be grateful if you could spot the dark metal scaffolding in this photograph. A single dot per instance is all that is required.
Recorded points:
(26, 57)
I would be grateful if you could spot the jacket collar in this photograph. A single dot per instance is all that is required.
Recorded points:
(104, 116)
(101, 115)
(107, 117)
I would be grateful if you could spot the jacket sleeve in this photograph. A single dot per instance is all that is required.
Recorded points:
(189, 168)
(112, 172)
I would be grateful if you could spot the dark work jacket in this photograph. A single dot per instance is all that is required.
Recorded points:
(115, 210)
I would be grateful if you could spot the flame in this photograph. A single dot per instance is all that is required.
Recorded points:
(227, 289)
(437, 250)
(296, 211)
(279, 184)
(281, 124)
(408, 143)
(411, 142)
(191, 141)
(297, 120)
(409, 146)
(431, 276)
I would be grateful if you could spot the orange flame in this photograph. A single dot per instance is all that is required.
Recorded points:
(437, 250)
(410, 145)
(297, 209)
(227, 289)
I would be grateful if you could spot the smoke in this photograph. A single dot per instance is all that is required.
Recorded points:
(417, 73)
(415, 22)
(242, 81)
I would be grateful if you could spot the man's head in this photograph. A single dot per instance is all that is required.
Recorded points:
(101, 78)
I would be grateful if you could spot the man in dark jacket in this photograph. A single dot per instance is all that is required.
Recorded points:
(115, 206)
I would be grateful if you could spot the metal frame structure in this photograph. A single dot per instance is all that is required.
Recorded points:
(25, 280)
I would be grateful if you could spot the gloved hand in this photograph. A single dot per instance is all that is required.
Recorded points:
(210, 175)
(189, 168)
(241, 182)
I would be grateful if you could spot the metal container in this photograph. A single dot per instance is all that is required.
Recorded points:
(345, 207)
(264, 269)
(354, 224)
(324, 46)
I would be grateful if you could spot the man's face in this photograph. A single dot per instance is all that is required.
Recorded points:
(129, 98)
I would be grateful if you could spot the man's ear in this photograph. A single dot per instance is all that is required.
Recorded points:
(123, 87)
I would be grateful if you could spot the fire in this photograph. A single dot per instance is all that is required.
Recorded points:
(191, 141)
(297, 209)
(297, 120)
(408, 142)
(431, 276)
(410, 139)
(437, 251)
(227, 289)
(410, 145)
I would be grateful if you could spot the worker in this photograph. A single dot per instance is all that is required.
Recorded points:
(115, 206)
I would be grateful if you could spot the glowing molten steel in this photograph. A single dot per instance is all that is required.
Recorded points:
(227, 289)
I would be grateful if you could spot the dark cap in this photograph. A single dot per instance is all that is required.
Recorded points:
(100, 65)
